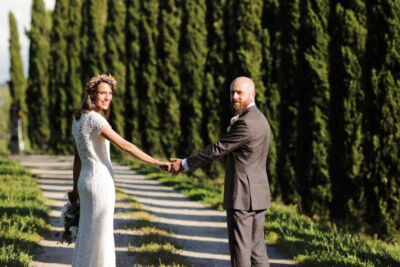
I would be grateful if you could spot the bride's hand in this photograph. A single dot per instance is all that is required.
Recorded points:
(165, 166)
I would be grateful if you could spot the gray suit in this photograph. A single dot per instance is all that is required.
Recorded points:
(246, 194)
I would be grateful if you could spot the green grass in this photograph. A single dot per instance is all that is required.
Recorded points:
(153, 245)
(307, 241)
(315, 244)
(23, 214)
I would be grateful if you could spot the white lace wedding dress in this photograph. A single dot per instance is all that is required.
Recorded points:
(95, 242)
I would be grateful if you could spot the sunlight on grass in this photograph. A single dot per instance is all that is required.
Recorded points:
(141, 215)
(315, 244)
(153, 245)
(147, 230)
(11, 256)
(155, 253)
(140, 219)
(23, 214)
(308, 241)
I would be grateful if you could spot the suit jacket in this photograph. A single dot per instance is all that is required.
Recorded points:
(246, 180)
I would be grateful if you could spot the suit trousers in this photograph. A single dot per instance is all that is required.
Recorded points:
(246, 238)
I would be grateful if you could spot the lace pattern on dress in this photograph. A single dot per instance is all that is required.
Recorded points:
(85, 126)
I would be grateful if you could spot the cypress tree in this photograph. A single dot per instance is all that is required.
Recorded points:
(148, 96)
(193, 51)
(216, 88)
(228, 21)
(269, 65)
(168, 82)
(347, 47)
(382, 117)
(289, 24)
(73, 81)
(17, 79)
(247, 44)
(93, 48)
(249, 50)
(114, 37)
(60, 140)
(215, 73)
(17, 87)
(132, 130)
(313, 137)
(37, 93)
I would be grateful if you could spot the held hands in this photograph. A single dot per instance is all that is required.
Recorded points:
(176, 166)
(165, 166)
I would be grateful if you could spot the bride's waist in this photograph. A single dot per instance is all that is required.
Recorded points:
(95, 167)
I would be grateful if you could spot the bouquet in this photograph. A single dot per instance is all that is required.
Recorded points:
(70, 218)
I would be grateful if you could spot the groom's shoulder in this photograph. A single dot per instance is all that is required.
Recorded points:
(250, 113)
(256, 118)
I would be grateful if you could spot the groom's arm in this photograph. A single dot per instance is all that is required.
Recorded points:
(237, 136)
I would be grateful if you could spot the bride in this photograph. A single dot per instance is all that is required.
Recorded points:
(93, 174)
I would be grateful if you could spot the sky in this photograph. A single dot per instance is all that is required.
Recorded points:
(22, 13)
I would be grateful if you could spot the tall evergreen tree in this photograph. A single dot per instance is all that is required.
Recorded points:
(37, 93)
(17, 85)
(247, 44)
(74, 86)
(313, 136)
(289, 18)
(60, 140)
(114, 36)
(193, 51)
(216, 90)
(17, 78)
(382, 117)
(347, 47)
(247, 56)
(148, 95)
(215, 72)
(93, 48)
(168, 82)
(132, 130)
(269, 65)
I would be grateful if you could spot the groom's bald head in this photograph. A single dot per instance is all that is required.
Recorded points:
(242, 94)
(244, 83)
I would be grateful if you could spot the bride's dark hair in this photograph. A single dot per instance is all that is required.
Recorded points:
(90, 94)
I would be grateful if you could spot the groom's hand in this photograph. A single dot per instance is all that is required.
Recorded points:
(176, 166)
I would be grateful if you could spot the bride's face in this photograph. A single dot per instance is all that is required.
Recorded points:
(103, 96)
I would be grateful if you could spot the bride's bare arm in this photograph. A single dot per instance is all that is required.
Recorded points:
(76, 169)
(131, 149)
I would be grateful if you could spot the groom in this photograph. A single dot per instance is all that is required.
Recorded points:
(246, 193)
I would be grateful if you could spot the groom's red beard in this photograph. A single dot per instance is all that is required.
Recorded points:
(239, 107)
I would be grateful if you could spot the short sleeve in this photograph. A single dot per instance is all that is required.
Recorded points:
(98, 122)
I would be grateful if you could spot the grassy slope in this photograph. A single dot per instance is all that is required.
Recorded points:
(309, 242)
(22, 214)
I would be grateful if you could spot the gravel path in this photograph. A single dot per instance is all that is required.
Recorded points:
(200, 231)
